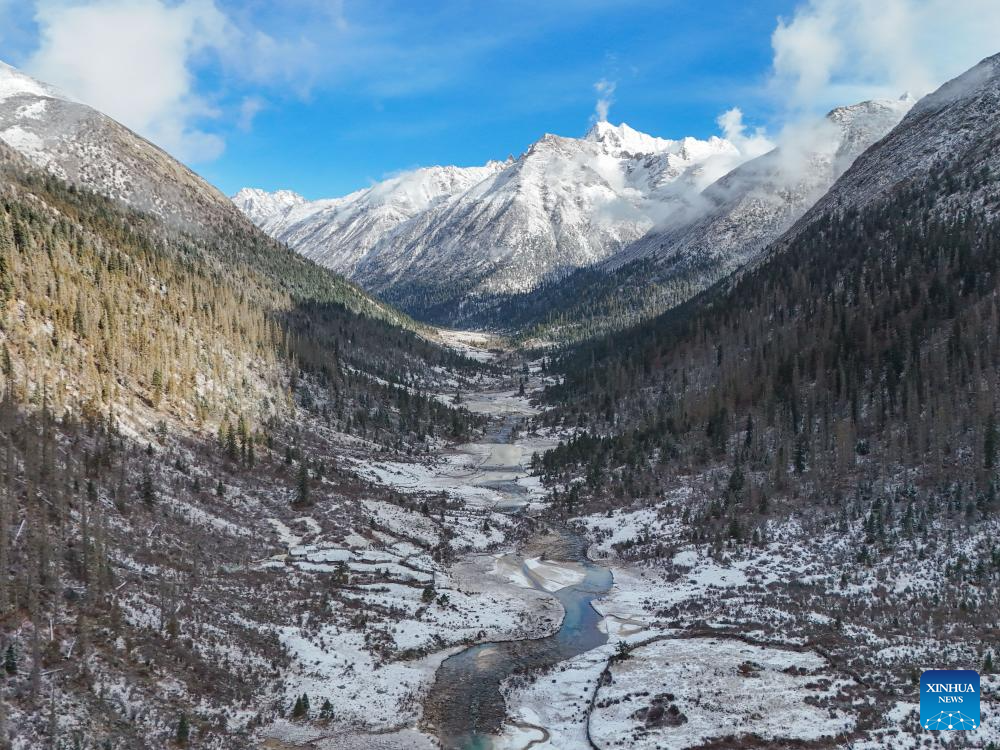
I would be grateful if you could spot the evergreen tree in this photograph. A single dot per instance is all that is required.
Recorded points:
(301, 708)
(302, 486)
(10, 661)
(990, 442)
(232, 447)
(326, 710)
(147, 491)
(183, 732)
(156, 386)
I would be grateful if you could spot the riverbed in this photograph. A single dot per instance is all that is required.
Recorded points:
(465, 708)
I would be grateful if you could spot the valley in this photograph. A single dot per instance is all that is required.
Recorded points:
(619, 442)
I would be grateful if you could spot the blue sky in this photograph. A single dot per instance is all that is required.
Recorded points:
(326, 96)
(520, 74)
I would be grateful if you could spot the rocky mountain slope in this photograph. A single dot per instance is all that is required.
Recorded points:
(738, 215)
(89, 149)
(954, 128)
(338, 233)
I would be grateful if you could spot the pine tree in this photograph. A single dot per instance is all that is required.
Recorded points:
(147, 491)
(326, 710)
(302, 488)
(735, 530)
(6, 247)
(232, 447)
(156, 386)
(800, 455)
(183, 732)
(10, 661)
(988, 663)
(6, 363)
(301, 708)
(990, 443)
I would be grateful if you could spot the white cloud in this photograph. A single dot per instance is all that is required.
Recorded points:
(735, 131)
(840, 51)
(249, 108)
(605, 96)
(131, 59)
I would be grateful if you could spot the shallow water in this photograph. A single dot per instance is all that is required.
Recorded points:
(465, 704)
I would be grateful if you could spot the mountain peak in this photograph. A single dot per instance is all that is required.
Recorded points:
(622, 138)
(259, 204)
(603, 129)
(15, 83)
(283, 195)
(982, 79)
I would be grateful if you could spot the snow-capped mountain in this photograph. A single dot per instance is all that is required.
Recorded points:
(338, 232)
(267, 209)
(87, 148)
(440, 235)
(733, 219)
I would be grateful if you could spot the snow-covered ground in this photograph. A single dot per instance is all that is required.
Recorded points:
(723, 645)
(416, 613)
(476, 345)
(677, 693)
(481, 474)
(682, 692)
(493, 472)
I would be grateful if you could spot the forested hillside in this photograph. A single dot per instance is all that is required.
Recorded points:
(871, 339)
(835, 406)
(161, 392)
(866, 337)
(107, 308)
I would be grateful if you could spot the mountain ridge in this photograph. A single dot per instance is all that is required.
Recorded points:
(562, 204)
(698, 208)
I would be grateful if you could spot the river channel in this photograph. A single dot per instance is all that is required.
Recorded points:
(465, 707)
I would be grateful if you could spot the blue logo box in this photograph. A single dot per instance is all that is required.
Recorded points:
(949, 699)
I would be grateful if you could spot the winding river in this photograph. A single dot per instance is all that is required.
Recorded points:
(465, 708)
